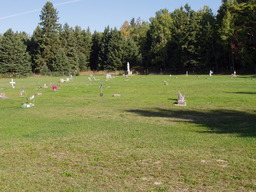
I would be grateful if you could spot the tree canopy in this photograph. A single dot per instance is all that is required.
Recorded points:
(171, 42)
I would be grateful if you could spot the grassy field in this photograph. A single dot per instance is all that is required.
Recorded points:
(75, 140)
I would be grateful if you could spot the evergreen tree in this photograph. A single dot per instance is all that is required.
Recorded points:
(34, 49)
(95, 51)
(14, 58)
(69, 43)
(207, 45)
(104, 49)
(83, 45)
(61, 62)
(47, 37)
(114, 52)
(131, 53)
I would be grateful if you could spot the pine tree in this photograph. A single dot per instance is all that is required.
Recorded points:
(206, 41)
(61, 62)
(104, 48)
(34, 49)
(69, 43)
(48, 38)
(115, 51)
(131, 53)
(83, 46)
(14, 58)
(95, 51)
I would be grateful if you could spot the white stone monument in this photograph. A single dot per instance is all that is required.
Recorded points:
(211, 72)
(128, 72)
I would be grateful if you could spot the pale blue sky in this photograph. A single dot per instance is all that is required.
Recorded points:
(23, 15)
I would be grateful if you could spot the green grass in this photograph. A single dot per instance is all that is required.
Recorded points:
(75, 140)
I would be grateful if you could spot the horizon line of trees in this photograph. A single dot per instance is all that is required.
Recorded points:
(171, 42)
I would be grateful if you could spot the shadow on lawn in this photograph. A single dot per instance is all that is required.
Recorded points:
(247, 77)
(249, 93)
(218, 121)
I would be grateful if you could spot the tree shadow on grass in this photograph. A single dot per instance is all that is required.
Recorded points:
(217, 121)
(244, 92)
(247, 76)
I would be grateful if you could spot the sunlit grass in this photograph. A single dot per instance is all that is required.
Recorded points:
(75, 140)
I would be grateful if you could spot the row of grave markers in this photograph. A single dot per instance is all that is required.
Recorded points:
(211, 72)
(27, 104)
(29, 100)
(181, 98)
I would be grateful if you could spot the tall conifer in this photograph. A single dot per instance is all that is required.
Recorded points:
(14, 58)
(49, 37)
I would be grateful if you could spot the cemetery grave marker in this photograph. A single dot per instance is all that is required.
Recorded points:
(62, 81)
(45, 86)
(12, 82)
(21, 92)
(3, 96)
(108, 76)
(101, 94)
(181, 100)
(128, 72)
(234, 74)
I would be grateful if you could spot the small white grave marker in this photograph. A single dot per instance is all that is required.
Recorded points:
(21, 92)
(108, 76)
(234, 74)
(45, 86)
(12, 82)
(211, 72)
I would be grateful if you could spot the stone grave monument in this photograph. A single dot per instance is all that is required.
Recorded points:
(181, 100)
(128, 72)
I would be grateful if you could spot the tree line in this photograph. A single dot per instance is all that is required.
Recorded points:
(171, 42)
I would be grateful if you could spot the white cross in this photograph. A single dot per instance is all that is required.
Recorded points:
(12, 82)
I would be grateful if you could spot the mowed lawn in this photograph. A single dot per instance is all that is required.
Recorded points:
(75, 140)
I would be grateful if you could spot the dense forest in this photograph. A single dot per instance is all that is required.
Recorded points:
(171, 42)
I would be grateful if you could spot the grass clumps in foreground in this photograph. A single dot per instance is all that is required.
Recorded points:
(75, 140)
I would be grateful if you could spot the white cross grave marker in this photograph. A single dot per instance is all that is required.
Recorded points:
(211, 72)
(12, 82)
